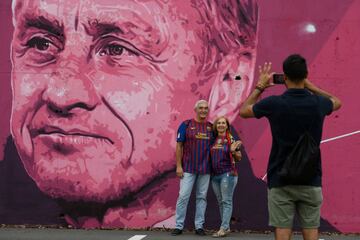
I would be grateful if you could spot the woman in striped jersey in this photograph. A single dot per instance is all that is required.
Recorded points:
(225, 150)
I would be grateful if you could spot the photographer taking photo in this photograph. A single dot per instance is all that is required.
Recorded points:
(294, 170)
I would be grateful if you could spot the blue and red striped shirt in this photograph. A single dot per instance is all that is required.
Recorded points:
(221, 162)
(196, 139)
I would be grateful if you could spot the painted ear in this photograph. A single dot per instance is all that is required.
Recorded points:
(227, 94)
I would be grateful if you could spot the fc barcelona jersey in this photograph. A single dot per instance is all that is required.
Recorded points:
(220, 156)
(196, 139)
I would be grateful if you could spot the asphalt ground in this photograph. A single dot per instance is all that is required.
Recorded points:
(40, 233)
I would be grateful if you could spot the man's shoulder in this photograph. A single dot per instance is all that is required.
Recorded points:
(272, 100)
(192, 121)
(323, 99)
(185, 123)
(322, 103)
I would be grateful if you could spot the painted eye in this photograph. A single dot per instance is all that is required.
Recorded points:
(112, 50)
(41, 49)
(39, 43)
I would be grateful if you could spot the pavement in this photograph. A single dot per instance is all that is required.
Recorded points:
(40, 233)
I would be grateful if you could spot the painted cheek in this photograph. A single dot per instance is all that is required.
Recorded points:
(142, 97)
(27, 87)
(183, 54)
(133, 103)
(132, 92)
(244, 87)
(26, 91)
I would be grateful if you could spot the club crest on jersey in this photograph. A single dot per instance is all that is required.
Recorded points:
(219, 144)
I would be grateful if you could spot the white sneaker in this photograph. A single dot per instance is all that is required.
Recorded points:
(220, 233)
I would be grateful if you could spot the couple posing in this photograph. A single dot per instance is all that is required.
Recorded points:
(300, 111)
(205, 149)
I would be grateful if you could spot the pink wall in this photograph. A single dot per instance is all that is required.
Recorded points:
(332, 47)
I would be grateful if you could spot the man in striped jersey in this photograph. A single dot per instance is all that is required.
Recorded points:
(192, 166)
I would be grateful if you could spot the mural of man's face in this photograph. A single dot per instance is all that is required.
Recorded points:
(98, 89)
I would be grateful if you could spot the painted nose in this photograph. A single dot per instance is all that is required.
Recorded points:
(69, 92)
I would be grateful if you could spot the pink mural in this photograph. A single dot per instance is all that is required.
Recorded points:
(99, 87)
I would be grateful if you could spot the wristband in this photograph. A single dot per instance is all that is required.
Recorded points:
(260, 89)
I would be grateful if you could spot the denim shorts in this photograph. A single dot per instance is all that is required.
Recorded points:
(284, 202)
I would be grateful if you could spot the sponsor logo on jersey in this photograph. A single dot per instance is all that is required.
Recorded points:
(200, 135)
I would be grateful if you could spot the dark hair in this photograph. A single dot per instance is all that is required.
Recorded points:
(294, 67)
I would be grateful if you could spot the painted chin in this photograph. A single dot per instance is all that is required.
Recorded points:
(75, 190)
(74, 181)
(78, 167)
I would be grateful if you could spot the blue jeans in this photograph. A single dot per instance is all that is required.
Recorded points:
(186, 185)
(224, 186)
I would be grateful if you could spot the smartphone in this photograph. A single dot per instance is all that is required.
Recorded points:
(278, 78)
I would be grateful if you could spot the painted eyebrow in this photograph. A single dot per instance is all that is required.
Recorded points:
(40, 22)
(97, 29)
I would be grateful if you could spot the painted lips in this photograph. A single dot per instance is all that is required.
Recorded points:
(69, 137)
